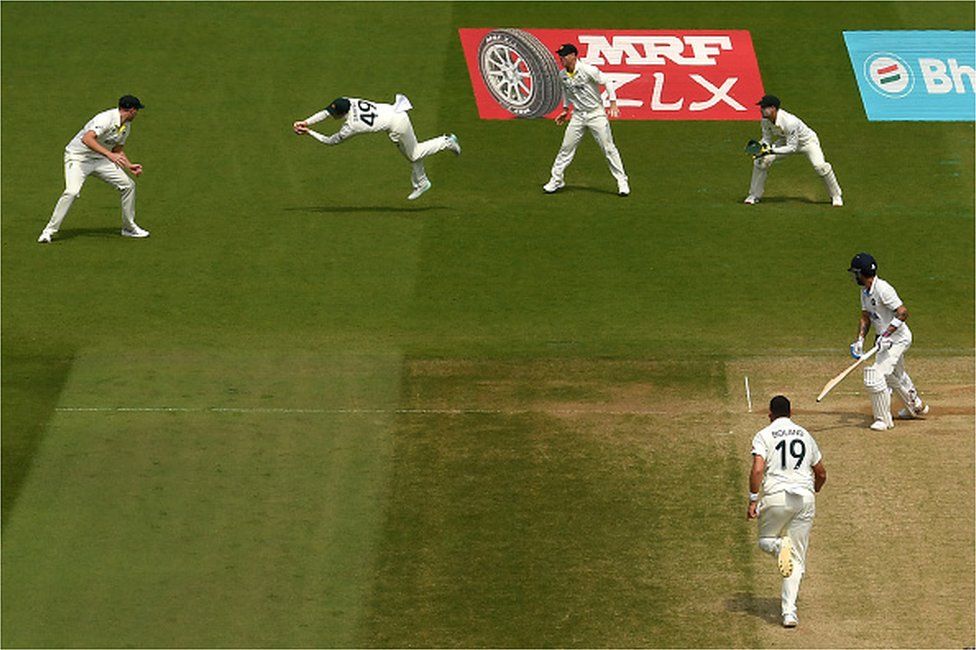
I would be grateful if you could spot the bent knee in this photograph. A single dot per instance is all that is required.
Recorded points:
(823, 169)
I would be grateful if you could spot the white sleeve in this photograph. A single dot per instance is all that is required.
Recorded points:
(816, 456)
(602, 80)
(342, 134)
(759, 446)
(100, 124)
(889, 297)
(318, 117)
(792, 138)
(767, 131)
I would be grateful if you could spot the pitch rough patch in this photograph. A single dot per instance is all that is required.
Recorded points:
(891, 556)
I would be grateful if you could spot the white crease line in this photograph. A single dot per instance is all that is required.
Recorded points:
(227, 409)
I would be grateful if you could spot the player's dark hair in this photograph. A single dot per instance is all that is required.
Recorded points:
(779, 406)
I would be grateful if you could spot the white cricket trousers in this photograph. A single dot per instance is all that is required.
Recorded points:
(760, 169)
(887, 374)
(401, 132)
(76, 170)
(598, 124)
(784, 514)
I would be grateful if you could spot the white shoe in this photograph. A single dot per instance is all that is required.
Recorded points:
(789, 620)
(552, 186)
(784, 560)
(45, 237)
(881, 425)
(413, 196)
(751, 200)
(910, 414)
(135, 232)
(837, 201)
(623, 189)
(453, 144)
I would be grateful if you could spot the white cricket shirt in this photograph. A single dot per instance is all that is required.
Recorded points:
(582, 87)
(109, 131)
(880, 302)
(364, 116)
(790, 453)
(789, 130)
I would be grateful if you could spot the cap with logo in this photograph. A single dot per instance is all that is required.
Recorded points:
(864, 264)
(566, 49)
(768, 100)
(130, 101)
(338, 106)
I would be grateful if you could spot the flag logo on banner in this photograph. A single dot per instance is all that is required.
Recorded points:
(889, 74)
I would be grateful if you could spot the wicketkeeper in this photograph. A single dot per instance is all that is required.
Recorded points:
(784, 134)
(365, 116)
(881, 306)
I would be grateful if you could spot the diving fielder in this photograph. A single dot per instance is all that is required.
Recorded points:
(365, 116)
(99, 149)
(787, 464)
(784, 134)
(581, 87)
(881, 306)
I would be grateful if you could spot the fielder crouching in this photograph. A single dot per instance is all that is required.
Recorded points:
(784, 134)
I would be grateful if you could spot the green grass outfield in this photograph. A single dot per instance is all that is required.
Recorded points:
(313, 334)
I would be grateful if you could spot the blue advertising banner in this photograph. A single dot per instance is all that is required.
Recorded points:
(915, 75)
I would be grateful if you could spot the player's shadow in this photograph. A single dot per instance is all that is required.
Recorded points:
(88, 232)
(336, 209)
(593, 190)
(767, 609)
(792, 199)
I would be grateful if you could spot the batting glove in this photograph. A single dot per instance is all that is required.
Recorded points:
(857, 348)
(884, 343)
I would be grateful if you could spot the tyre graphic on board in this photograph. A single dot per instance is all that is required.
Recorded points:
(520, 72)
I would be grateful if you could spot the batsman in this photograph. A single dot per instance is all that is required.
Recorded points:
(881, 306)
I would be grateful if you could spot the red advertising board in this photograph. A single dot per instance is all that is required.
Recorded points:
(659, 75)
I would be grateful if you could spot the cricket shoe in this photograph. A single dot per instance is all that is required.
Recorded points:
(623, 189)
(912, 413)
(837, 201)
(553, 186)
(789, 620)
(453, 144)
(881, 425)
(784, 560)
(45, 237)
(751, 200)
(135, 232)
(416, 194)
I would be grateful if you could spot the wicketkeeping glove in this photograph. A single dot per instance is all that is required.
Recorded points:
(758, 149)
(857, 348)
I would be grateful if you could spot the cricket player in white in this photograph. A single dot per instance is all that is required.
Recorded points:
(365, 116)
(581, 87)
(881, 306)
(784, 134)
(99, 149)
(788, 466)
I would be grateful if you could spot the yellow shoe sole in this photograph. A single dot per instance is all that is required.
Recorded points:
(785, 559)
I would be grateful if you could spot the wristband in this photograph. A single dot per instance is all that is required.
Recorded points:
(896, 323)
(753, 496)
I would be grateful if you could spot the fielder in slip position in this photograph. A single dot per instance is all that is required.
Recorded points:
(881, 306)
(581, 87)
(364, 116)
(99, 149)
(784, 134)
(788, 466)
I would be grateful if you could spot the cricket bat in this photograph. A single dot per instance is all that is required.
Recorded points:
(830, 385)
